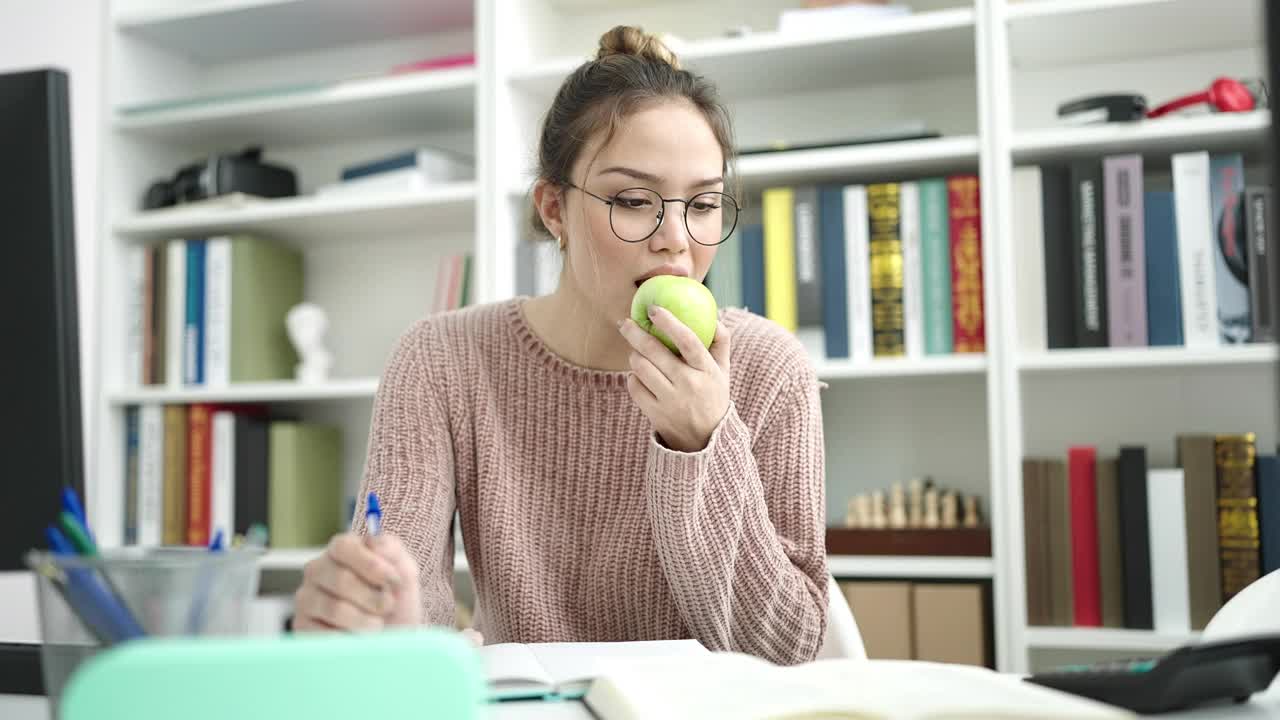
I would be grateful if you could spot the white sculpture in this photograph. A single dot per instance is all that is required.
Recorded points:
(307, 323)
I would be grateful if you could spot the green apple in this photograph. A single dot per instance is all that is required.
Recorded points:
(689, 300)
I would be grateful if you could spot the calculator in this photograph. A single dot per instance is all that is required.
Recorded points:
(1189, 676)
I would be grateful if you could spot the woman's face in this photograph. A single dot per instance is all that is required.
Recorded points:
(669, 148)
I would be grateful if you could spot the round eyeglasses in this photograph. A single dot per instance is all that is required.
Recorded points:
(635, 214)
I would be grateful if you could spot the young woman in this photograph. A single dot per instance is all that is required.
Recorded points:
(608, 488)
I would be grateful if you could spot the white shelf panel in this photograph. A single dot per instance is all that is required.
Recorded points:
(353, 109)
(296, 558)
(1145, 358)
(285, 391)
(899, 49)
(946, 154)
(1046, 33)
(1105, 639)
(223, 30)
(959, 364)
(308, 217)
(1161, 135)
(909, 566)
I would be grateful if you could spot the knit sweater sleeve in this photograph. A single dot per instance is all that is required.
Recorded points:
(410, 466)
(739, 529)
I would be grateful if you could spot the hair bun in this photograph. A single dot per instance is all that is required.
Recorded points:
(628, 40)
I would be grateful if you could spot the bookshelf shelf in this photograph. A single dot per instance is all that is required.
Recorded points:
(226, 30)
(309, 217)
(1162, 135)
(356, 388)
(902, 367)
(1049, 33)
(899, 566)
(1105, 639)
(391, 104)
(296, 558)
(759, 64)
(1144, 358)
(873, 160)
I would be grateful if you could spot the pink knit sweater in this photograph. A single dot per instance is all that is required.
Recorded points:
(577, 524)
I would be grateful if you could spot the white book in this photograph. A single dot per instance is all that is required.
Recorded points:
(912, 277)
(1193, 216)
(175, 312)
(393, 182)
(223, 476)
(1167, 529)
(150, 510)
(858, 272)
(742, 687)
(135, 280)
(217, 312)
(1028, 250)
(566, 670)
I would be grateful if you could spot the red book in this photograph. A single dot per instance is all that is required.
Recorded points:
(968, 328)
(199, 471)
(1086, 579)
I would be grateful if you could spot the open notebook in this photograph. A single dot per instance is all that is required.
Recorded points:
(730, 685)
(565, 670)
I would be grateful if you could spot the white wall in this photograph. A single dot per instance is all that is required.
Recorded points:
(66, 34)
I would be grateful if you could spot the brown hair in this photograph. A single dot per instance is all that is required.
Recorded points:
(631, 67)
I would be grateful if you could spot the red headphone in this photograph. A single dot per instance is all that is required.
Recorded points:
(1224, 95)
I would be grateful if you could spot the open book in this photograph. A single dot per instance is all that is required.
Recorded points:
(731, 685)
(566, 670)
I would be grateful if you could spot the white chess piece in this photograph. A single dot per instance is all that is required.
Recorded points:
(971, 517)
(915, 505)
(851, 513)
(307, 323)
(948, 510)
(897, 507)
(930, 508)
(879, 518)
(862, 507)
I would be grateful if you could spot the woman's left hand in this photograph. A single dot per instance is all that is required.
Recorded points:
(685, 396)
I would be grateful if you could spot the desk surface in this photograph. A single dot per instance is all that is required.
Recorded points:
(22, 707)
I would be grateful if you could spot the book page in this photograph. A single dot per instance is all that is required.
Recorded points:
(728, 685)
(513, 671)
(576, 664)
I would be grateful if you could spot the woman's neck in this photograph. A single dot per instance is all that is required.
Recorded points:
(573, 328)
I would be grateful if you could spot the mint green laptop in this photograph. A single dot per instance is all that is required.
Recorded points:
(393, 674)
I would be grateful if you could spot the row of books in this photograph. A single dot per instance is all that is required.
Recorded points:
(211, 311)
(864, 271)
(192, 470)
(1109, 258)
(936, 622)
(455, 282)
(411, 170)
(1112, 543)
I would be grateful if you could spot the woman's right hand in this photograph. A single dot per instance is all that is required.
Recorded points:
(359, 583)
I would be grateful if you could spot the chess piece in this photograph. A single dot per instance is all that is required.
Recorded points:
(930, 519)
(879, 519)
(915, 506)
(851, 513)
(897, 507)
(307, 323)
(971, 517)
(948, 519)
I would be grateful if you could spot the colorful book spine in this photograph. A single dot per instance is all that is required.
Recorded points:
(968, 323)
(146, 308)
(176, 312)
(884, 243)
(912, 278)
(1126, 259)
(835, 309)
(858, 270)
(753, 279)
(1059, 257)
(175, 475)
(1135, 538)
(1110, 574)
(1230, 247)
(809, 326)
(1090, 259)
(1262, 286)
(1238, 538)
(150, 513)
(1081, 469)
(199, 470)
(131, 439)
(193, 333)
(1195, 457)
(1269, 511)
(1195, 249)
(217, 312)
(935, 266)
(780, 257)
(1164, 297)
(1170, 583)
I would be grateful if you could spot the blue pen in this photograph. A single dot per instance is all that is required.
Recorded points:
(373, 515)
(95, 605)
(197, 615)
(71, 503)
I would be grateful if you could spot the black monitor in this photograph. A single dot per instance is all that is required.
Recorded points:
(40, 423)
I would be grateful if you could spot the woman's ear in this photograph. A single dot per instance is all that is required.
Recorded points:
(548, 198)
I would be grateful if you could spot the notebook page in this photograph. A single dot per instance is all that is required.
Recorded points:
(512, 670)
(570, 663)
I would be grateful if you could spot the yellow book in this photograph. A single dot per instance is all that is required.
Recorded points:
(885, 246)
(780, 257)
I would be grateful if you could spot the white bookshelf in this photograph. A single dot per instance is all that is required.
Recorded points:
(987, 75)
(1106, 639)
